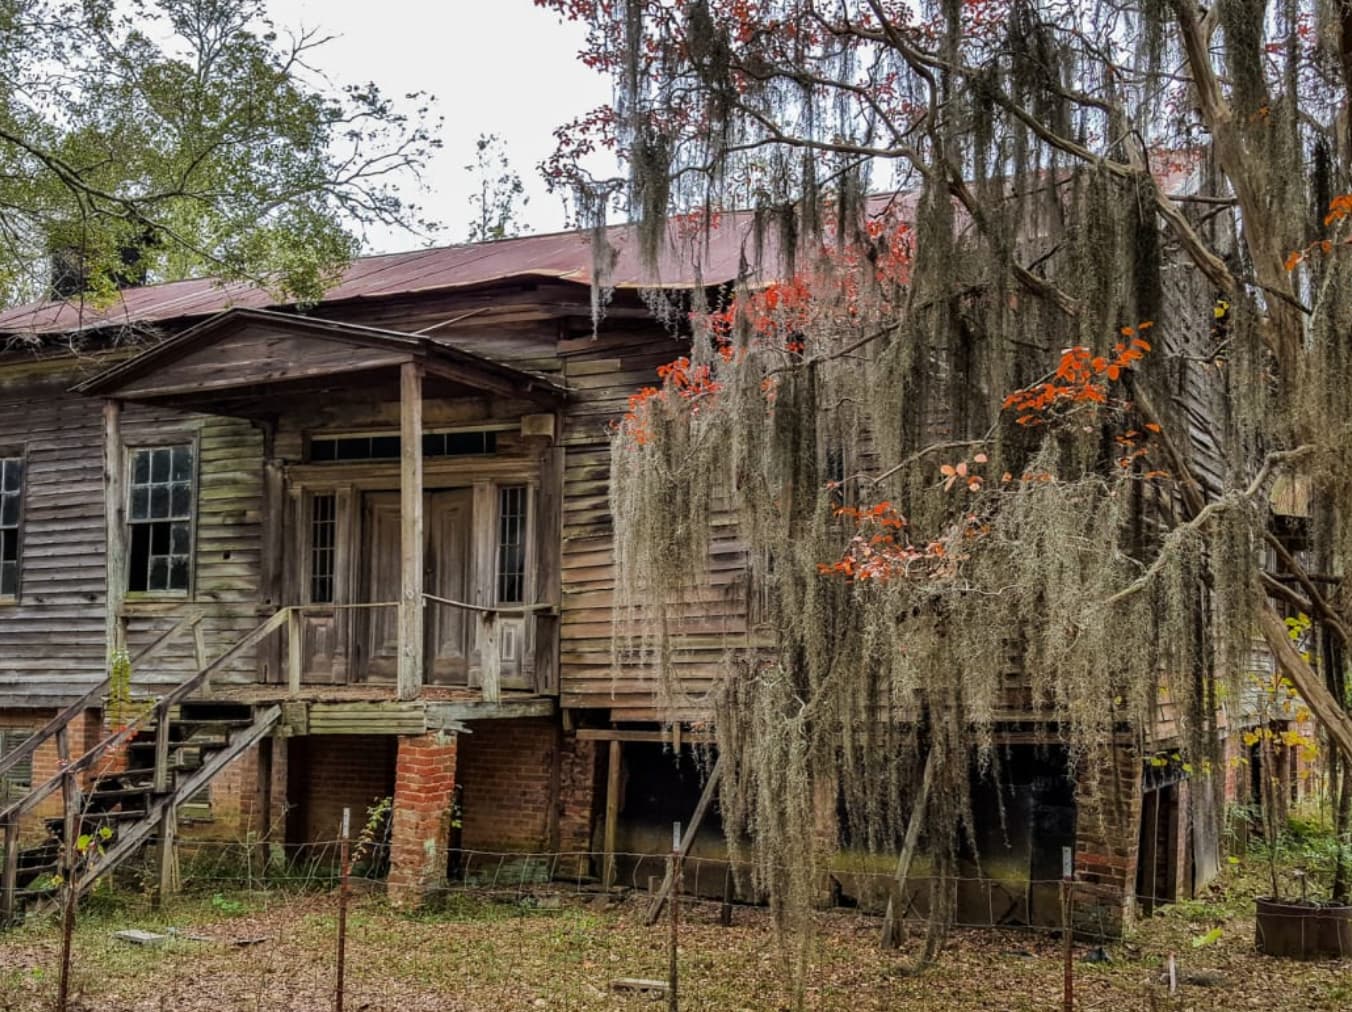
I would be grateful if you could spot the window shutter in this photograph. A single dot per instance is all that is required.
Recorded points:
(18, 779)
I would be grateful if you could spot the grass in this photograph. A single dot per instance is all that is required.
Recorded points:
(266, 951)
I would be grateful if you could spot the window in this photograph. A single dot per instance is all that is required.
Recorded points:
(11, 503)
(512, 544)
(160, 519)
(323, 532)
(15, 781)
(435, 444)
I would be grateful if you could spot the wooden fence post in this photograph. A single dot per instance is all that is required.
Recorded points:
(11, 874)
(345, 861)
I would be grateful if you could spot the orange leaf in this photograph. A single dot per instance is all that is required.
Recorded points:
(1153, 426)
(980, 458)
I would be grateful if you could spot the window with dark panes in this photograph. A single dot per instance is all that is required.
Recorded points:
(323, 535)
(512, 544)
(11, 512)
(160, 518)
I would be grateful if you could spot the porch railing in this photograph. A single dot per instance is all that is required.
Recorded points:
(60, 724)
(488, 636)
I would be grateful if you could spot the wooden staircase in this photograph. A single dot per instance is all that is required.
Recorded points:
(172, 752)
(123, 809)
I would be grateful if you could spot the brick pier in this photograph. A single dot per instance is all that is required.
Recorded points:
(424, 785)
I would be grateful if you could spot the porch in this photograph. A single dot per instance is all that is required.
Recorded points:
(409, 523)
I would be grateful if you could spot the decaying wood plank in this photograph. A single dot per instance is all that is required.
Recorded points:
(892, 918)
(612, 827)
(411, 647)
(687, 840)
(115, 571)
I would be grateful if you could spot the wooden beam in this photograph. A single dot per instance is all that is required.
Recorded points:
(411, 646)
(661, 737)
(490, 657)
(295, 650)
(612, 813)
(446, 715)
(168, 854)
(115, 504)
(893, 916)
(687, 839)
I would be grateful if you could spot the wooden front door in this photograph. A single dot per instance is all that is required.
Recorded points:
(446, 525)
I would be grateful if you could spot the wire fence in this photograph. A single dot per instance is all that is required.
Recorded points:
(263, 917)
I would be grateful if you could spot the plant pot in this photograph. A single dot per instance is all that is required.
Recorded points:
(1299, 929)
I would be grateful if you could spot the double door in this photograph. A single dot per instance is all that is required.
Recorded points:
(447, 526)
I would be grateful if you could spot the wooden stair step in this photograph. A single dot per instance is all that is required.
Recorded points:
(104, 794)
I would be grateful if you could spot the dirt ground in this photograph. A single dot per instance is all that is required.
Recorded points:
(260, 951)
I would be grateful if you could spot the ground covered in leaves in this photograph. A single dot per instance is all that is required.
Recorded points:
(276, 951)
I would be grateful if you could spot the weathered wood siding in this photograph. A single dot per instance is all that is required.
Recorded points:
(713, 620)
(227, 544)
(51, 639)
(53, 635)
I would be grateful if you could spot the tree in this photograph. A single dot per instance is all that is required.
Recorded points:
(160, 139)
(1031, 408)
(499, 189)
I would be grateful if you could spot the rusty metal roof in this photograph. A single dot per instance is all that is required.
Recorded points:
(564, 256)
(691, 256)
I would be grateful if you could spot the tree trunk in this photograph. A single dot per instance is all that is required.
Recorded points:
(1326, 709)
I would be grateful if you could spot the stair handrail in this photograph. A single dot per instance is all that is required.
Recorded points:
(63, 719)
(161, 708)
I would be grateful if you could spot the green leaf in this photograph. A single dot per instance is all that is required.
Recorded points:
(1210, 938)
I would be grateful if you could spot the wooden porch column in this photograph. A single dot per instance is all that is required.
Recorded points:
(411, 650)
(612, 827)
(115, 505)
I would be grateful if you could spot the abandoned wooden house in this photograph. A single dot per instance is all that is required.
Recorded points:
(362, 549)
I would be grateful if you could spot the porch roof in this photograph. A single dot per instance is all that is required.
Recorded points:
(240, 361)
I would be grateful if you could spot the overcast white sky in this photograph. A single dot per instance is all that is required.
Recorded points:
(495, 66)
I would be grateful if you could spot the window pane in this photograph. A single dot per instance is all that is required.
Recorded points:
(161, 519)
(323, 531)
(384, 447)
(139, 561)
(511, 544)
(11, 498)
(182, 466)
(159, 573)
(355, 448)
(178, 572)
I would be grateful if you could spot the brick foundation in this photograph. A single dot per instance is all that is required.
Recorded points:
(329, 772)
(238, 794)
(84, 732)
(1107, 832)
(505, 769)
(579, 789)
(420, 825)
